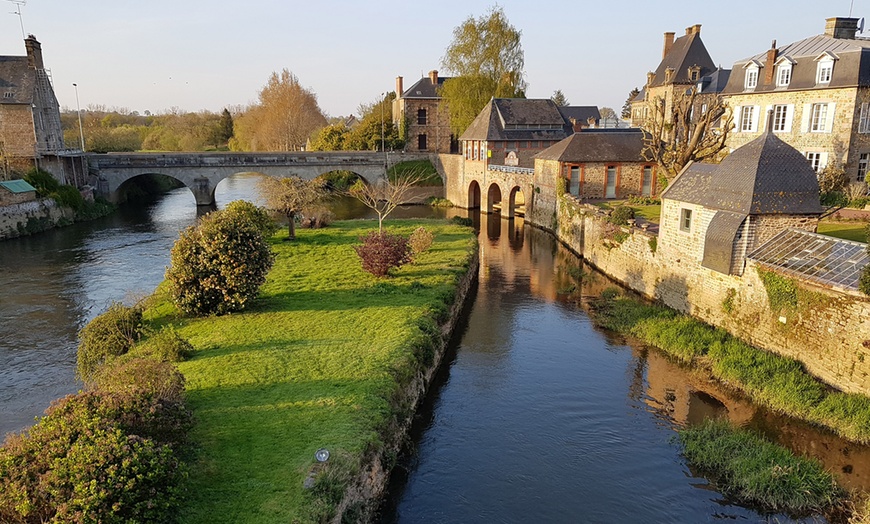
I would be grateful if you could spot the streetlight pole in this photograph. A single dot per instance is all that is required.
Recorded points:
(383, 146)
(79, 110)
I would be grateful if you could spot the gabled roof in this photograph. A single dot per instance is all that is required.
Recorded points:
(765, 176)
(598, 145)
(518, 119)
(17, 80)
(580, 114)
(686, 51)
(424, 88)
(715, 82)
(17, 186)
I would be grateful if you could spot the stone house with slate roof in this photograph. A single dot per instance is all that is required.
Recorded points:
(16, 192)
(685, 63)
(421, 112)
(598, 163)
(819, 91)
(715, 214)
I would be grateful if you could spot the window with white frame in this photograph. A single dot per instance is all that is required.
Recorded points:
(783, 75)
(824, 71)
(819, 118)
(864, 118)
(817, 160)
(686, 220)
(863, 164)
(781, 118)
(751, 77)
(747, 118)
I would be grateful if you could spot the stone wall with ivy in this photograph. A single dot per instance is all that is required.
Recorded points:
(32, 217)
(826, 329)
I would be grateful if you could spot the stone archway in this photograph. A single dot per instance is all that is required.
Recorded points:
(142, 184)
(473, 195)
(493, 199)
(516, 203)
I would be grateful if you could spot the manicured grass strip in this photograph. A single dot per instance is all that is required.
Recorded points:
(782, 384)
(315, 362)
(753, 470)
(855, 231)
(423, 168)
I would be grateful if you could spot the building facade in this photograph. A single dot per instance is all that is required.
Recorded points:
(422, 114)
(818, 92)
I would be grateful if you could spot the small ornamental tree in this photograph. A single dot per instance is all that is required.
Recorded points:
(292, 195)
(219, 265)
(383, 195)
(381, 251)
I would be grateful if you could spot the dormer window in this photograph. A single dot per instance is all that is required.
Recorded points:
(694, 73)
(669, 74)
(783, 75)
(751, 77)
(825, 68)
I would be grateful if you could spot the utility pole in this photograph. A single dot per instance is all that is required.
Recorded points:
(79, 109)
(383, 147)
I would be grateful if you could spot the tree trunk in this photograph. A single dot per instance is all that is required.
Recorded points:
(291, 226)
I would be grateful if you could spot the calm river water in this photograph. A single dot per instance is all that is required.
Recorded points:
(538, 416)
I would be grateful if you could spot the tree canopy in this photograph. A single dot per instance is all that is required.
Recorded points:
(559, 98)
(626, 107)
(376, 122)
(487, 60)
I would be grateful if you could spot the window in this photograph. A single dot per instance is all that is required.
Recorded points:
(863, 164)
(421, 142)
(686, 220)
(781, 118)
(468, 150)
(421, 117)
(819, 118)
(824, 71)
(482, 155)
(747, 118)
(610, 183)
(751, 77)
(783, 75)
(574, 181)
(646, 182)
(864, 120)
(817, 160)
(704, 109)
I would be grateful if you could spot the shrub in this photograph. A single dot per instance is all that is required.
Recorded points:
(108, 335)
(381, 252)
(145, 377)
(219, 265)
(834, 198)
(462, 221)
(643, 201)
(246, 212)
(833, 179)
(620, 215)
(168, 346)
(68, 196)
(420, 240)
(318, 217)
(43, 181)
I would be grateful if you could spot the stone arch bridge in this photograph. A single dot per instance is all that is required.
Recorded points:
(502, 190)
(201, 172)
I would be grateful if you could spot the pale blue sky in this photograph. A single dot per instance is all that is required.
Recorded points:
(207, 54)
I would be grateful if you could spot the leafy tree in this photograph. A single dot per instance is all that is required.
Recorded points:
(626, 107)
(607, 112)
(559, 98)
(384, 195)
(218, 265)
(675, 136)
(330, 138)
(486, 59)
(225, 127)
(285, 117)
(291, 196)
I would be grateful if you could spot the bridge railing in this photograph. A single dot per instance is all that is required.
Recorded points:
(512, 169)
(120, 160)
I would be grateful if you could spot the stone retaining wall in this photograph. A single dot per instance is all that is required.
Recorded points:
(31, 217)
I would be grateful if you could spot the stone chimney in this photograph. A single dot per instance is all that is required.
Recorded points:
(34, 52)
(693, 30)
(433, 76)
(399, 87)
(768, 66)
(591, 122)
(841, 27)
(669, 42)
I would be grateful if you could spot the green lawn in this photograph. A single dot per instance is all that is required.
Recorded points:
(311, 364)
(649, 213)
(856, 231)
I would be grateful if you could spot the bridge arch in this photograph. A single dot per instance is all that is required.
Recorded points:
(516, 202)
(123, 190)
(473, 195)
(493, 198)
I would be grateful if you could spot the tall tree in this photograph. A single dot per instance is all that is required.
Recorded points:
(626, 107)
(225, 127)
(283, 119)
(486, 59)
(559, 98)
(684, 133)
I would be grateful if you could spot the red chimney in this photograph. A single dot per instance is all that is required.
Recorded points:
(399, 87)
(769, 68)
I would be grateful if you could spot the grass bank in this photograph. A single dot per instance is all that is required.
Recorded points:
(319, 361)
(780, 383)
(854, 231)
(758, 472)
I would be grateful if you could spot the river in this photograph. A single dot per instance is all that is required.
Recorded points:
(537, 415)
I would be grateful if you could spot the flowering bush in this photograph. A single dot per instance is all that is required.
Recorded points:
(421, 240)
(381, 252)
(108, 335)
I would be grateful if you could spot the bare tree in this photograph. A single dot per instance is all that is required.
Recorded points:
(688, 131)
(384, 195)
(292, 195)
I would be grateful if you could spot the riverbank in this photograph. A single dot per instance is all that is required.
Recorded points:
(36, 216)
(329, 357)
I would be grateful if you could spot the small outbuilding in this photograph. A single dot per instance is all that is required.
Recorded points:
(16, 192)
(715, 214)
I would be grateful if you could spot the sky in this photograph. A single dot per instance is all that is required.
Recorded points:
(192, 55)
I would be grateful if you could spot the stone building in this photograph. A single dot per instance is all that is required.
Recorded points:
(819, 91)
(716, 214)
(685, 64)
(421, 112)
(16, 192)
(30, 128)
(599, 163)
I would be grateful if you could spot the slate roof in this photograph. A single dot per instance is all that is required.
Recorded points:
(580, 114)
(17, 80)
(765, 176)
(686, 51)
(598, 145)
(17, 186)
(714, 82)
(424, 88)
(851, 67)
(537, 119)
(719, 240)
